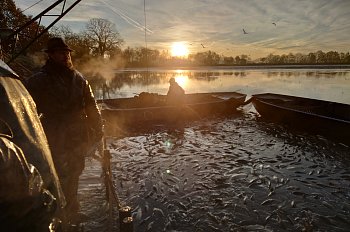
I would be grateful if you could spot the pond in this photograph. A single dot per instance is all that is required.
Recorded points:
(232, 173)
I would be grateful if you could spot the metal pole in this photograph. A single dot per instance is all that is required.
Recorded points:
(43, 31)
(125, 217)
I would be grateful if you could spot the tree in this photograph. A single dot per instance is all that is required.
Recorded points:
(311, 58)
(207, 58)
(228, 60)
(291, 58)
(300, 58)
(272, 59)
(333, 57)
(346, 59)
(102, 37)
(12, 17)
(237, 60)
(320, 57)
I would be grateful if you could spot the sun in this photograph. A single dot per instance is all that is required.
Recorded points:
(179, 49)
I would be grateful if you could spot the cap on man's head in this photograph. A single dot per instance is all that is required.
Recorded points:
(172, 80)
(57, 44)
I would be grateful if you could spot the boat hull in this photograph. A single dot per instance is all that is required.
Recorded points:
(326, 118)
(149, 109)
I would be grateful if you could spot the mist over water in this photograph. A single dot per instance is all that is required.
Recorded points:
(234, 173)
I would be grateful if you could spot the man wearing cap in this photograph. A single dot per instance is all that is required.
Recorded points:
(69, 114)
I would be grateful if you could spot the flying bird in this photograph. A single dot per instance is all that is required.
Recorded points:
(274, 24)
(244, 32)
(203, 46)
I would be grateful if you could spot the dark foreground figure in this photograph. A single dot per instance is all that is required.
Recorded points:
(70, 117)
(25, 205)
(31, 198)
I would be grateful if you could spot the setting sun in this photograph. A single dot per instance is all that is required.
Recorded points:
(179, 49)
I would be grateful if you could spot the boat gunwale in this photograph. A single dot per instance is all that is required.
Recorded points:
(256, 98)
(237, 97)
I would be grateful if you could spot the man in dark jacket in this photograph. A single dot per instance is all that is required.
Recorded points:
(69, 114)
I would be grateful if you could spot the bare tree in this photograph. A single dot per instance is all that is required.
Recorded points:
(102, 36)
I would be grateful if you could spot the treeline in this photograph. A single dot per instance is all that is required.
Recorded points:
(319, 57)
(100, 40)
(140, 57)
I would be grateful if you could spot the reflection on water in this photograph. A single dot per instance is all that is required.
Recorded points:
(326, 84)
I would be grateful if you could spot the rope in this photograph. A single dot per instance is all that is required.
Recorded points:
(145, 27)
(144, 13)
(31, 6)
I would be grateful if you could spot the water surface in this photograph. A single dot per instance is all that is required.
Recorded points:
(326, 84)
(234, 173)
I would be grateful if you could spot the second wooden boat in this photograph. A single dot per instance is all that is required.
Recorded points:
(330, 119)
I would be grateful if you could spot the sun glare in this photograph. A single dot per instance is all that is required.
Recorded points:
(181, 79)
(179, 49)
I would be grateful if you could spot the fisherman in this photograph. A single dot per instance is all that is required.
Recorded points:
(176, 94)
(70, 117)
(30, 194)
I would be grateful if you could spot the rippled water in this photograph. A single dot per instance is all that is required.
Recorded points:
(235, 173)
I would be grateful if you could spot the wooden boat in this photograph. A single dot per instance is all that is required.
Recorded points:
(330, 119)
(150, 108)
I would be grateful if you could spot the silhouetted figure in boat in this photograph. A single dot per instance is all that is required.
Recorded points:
(176, 97)
(176, 94)
(70, 117)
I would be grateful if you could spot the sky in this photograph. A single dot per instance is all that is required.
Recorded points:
(272, 26)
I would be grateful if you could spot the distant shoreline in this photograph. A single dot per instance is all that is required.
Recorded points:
(239, 67)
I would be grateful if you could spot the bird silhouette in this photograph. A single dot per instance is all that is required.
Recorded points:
(274, 24)
(244, 32)
(203, 46)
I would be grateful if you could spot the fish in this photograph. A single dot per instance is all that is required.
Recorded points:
(267, 201)
(146, 207)
(159, 211)
(150, 226)
(292, 203)
(145, 220)
(182, 205)
(213, 218)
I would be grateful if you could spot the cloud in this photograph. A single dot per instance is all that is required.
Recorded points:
(301, 25)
